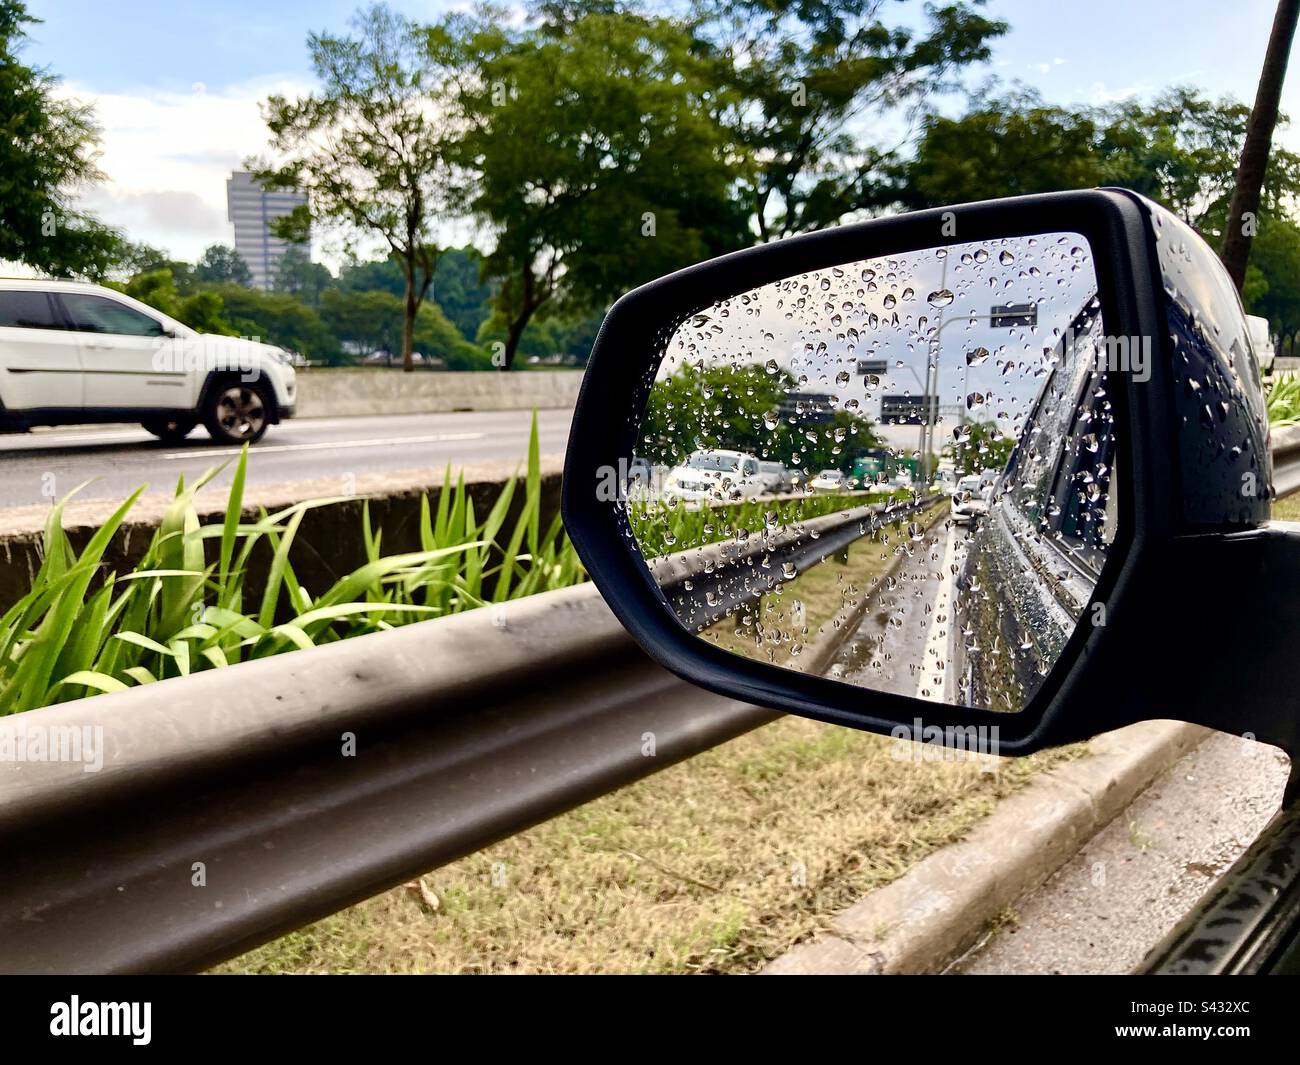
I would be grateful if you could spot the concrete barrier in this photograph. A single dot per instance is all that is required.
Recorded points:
(342, 393)
(328, 545)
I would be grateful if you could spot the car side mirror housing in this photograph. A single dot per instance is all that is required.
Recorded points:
(1077, 365)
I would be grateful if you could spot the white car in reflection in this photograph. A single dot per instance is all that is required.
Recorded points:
(715, 477)
(970, 499)
(828, 481)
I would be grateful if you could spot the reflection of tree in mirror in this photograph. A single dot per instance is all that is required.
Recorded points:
(980, 446)
(748, 408)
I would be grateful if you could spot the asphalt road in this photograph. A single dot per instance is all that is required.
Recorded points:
(121, 457)
(903, 642)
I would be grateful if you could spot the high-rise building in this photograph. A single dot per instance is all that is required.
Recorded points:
(251, 209)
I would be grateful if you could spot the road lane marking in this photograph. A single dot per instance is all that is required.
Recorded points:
(263, 449)
(936, 644)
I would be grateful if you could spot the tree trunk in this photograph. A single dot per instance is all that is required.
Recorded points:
(527, 308)
(408, 324)
(1259, 137)
(515, 333)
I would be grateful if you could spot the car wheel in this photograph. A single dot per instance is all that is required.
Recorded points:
(237, 413)
(170, 430)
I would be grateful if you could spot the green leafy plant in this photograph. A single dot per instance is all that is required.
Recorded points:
(661, 528)
(1283, 401)
(81, 630)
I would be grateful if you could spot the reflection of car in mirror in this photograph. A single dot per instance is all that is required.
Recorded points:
(715, 475)
(1030, 568)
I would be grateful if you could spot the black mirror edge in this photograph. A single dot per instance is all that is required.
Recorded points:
(1153, 612)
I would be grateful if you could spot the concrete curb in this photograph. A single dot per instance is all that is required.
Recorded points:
(938, 910)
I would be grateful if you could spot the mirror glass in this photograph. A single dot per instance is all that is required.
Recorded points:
(896, 472)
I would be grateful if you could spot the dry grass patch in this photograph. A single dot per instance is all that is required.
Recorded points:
(715, 865)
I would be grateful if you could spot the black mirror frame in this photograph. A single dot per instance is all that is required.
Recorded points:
(1073, 703)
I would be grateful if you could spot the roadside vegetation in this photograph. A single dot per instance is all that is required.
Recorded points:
(184, 607)
(1282, 395)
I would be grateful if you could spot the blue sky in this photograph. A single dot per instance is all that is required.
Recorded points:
(176, 84)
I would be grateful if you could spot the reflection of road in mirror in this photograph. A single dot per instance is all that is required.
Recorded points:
(903, 640)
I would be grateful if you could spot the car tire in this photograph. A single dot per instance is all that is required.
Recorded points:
(170, 430)
(237, 412)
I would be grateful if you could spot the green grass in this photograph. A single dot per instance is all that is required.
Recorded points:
(183, 608)
(662, 527)
(1283, 400)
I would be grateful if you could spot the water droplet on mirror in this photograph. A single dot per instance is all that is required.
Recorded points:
(941, 298)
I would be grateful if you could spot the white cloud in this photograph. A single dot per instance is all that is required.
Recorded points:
(167, 155)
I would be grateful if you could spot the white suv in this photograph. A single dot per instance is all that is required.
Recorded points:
(72, 353)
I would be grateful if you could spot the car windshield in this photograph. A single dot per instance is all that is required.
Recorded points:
(713, 462)
(770, 467)
(969, 484)
(830, 475)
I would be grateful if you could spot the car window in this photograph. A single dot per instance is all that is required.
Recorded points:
(98, 314)
(1039, 454)
(751, 467)
(26, 309)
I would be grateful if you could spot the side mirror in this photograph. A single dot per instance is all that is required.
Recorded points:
(1086, 347)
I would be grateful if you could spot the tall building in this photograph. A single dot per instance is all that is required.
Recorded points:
(251, 209)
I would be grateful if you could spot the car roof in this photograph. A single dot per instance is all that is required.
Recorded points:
(49, 284)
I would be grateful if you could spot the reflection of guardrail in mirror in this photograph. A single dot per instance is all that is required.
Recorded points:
(705, 584)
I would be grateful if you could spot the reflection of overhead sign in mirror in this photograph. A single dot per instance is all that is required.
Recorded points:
(1012, 315)
(870, 366)
(907, 410)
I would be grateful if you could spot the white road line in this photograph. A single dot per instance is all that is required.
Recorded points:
(263, 449)
(934, 662)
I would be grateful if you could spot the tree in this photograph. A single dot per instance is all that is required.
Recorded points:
(1003, 146)
(47, 148)
(368, 148)
(460, 291)
(297, 275)
(597, 166)
(1275, 261)
(731, 407)
(202, 310)
(279, 319)
(795, 80)
(367, 321)
(1259, 136)
(981, 447)
(1180, 149)
(220, 263)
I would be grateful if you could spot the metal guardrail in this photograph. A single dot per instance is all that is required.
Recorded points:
(236, 805)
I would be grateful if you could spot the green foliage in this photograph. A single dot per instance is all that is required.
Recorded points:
(793, 78)
(595, 159)
(1273, 280)
(297, 275)
(662, 528)
(734, 407)
(981, 447)
(47, 149)
(220, 263)
(280, 319)
(200, 309)
(184, 608)
(1283, 399)
(368, 147)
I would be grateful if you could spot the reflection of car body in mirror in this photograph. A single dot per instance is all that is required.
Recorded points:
(1030, 568)
(715, 476)
(829, 481)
